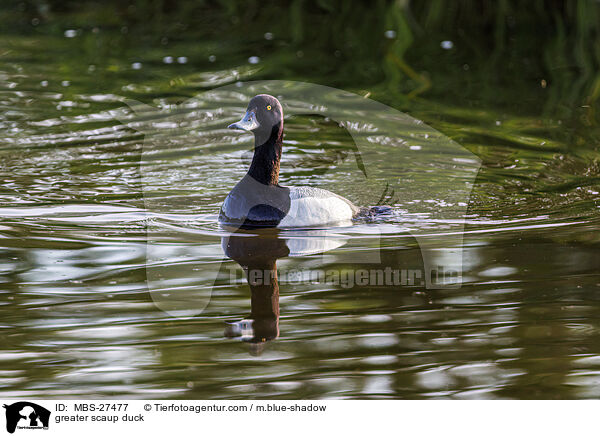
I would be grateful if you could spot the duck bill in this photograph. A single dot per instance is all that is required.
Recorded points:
(248, 123)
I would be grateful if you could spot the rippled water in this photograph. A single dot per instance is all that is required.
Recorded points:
(105, 236)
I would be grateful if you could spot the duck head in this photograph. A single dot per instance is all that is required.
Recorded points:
(264, 118)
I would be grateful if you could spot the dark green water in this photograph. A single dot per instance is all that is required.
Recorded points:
(81, 194)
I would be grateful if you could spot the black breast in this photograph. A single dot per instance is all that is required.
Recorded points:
(254, 204)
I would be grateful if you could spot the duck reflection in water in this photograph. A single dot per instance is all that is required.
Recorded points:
(257, 254)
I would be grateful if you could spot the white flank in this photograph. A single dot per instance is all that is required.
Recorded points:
(314, 211)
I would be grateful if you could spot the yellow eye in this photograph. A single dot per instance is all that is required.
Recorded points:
(269, 107)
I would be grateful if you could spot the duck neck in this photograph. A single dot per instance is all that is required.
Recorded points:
(267, 156)
(265, 291)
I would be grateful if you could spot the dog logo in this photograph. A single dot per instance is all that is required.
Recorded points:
(26, 415)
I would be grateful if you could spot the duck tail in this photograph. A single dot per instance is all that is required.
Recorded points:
(373, 211)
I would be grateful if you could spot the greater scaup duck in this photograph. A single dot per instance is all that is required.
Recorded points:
(258, 200)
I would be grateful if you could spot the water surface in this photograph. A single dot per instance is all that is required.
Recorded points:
(77, 314)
